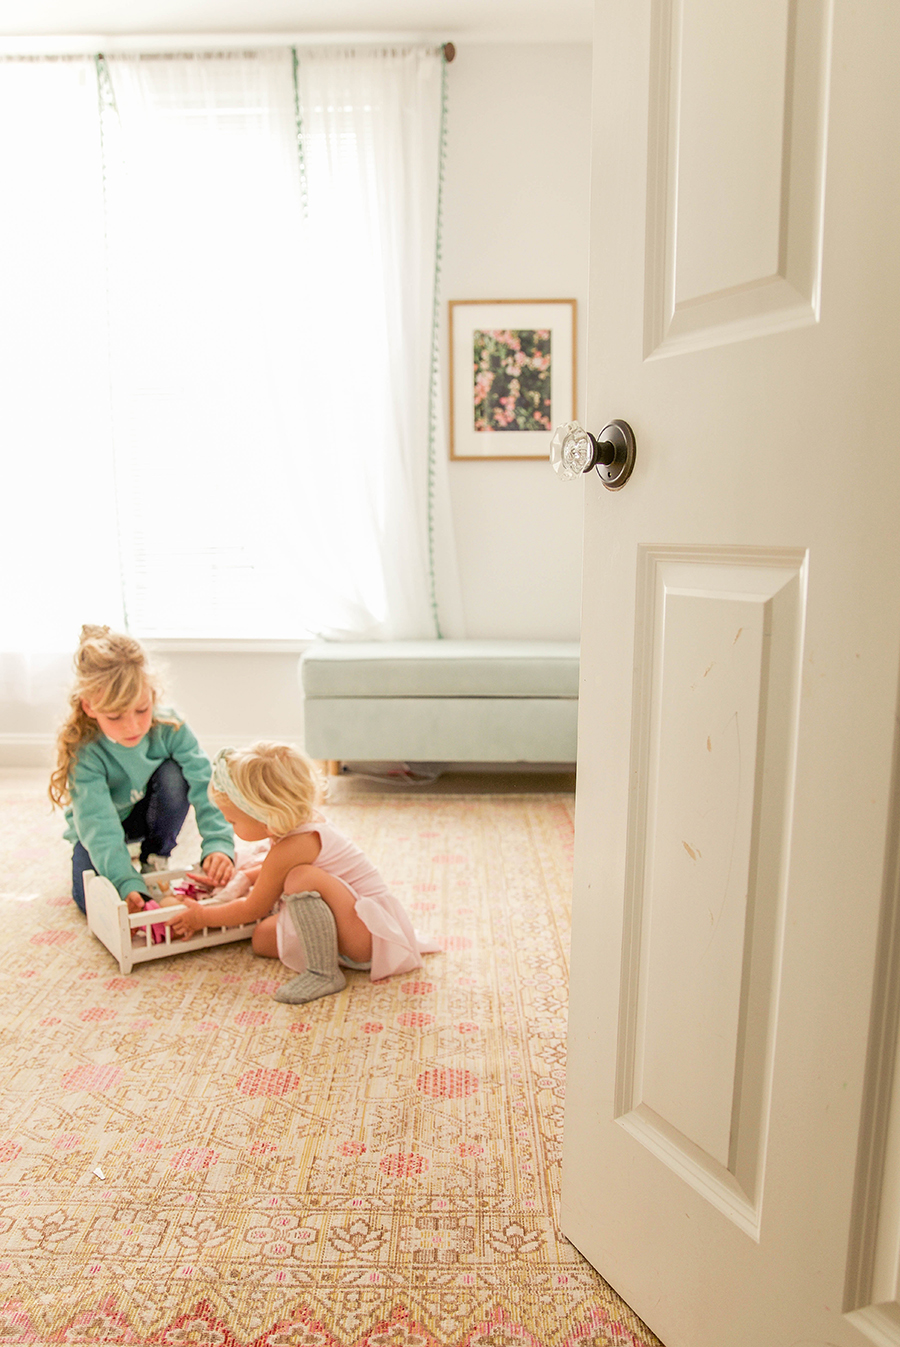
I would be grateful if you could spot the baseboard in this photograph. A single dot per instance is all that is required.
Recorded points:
(486, 768)
(458, 768)
(213, 743)
(39, 750)
(27, 750)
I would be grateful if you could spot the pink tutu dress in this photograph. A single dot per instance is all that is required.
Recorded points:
(396, 946)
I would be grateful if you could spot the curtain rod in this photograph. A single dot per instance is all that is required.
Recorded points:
(88, 44)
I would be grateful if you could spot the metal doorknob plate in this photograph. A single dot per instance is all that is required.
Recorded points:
(574, 450)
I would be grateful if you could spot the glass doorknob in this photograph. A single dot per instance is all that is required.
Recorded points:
(574, 450)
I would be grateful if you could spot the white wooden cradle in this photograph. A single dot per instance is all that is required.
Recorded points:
(128, 935)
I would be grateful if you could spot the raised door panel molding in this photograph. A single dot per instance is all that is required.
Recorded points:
(713, 743)
(738, 112)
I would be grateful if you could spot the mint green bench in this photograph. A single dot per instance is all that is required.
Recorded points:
(441, 701)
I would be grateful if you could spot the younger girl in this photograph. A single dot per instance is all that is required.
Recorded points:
(128, 772)
(336, 905)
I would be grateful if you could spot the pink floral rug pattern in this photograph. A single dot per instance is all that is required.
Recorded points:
(185, 1161)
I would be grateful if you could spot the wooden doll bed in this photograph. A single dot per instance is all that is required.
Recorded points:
(128, 935)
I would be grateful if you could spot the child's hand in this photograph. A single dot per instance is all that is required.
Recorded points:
(134, 901)
(198, 877)
(218, 868)
(186, 923)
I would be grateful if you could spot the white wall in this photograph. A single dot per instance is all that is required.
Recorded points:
(516, 226)
(516, 196)
(227, 697)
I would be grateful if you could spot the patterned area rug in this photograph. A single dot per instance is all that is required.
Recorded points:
(185, 1161)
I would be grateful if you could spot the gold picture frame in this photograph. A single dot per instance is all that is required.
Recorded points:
(512, 376)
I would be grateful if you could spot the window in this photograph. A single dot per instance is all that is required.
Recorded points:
(222, 343)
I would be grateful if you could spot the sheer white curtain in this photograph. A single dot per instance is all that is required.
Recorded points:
(58, 558)
(272, 329)
(371, 135)
(206, 270)
(57, 540)
(218, 398)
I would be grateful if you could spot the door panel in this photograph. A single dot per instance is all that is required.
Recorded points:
(719, 635)
(738, 99)
(732, 1142)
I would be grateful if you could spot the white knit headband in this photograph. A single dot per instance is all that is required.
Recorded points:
(223, 783)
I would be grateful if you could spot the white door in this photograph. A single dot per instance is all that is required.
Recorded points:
(731, 1160)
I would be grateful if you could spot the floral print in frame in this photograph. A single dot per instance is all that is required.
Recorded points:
(512, 375)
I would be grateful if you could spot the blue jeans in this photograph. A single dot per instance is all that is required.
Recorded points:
(155, 822)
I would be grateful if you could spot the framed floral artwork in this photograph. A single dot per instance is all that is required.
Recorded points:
(512, 375)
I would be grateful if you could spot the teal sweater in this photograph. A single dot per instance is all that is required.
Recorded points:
(107, 780)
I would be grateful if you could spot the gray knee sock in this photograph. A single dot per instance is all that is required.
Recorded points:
(314, 924)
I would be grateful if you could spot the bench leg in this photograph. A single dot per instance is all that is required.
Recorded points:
(329, 767)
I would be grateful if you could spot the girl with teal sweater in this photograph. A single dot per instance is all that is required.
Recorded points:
(128, 771)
